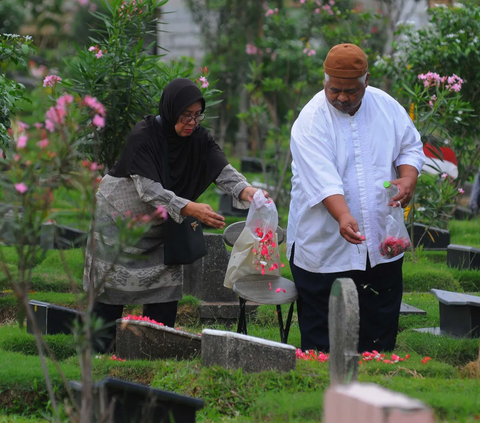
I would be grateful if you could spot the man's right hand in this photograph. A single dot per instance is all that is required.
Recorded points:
(204, 213)
(349, 229)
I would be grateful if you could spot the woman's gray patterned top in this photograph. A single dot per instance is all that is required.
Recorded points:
(135, 274)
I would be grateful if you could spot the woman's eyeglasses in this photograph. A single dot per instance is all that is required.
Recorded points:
(188, 119)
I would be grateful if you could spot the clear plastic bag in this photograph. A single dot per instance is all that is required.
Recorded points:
(262, 216)
(256, 249)
(396, 240)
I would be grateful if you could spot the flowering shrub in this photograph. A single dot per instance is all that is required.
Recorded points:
(13, 49)
(435, 200)
(120, 72)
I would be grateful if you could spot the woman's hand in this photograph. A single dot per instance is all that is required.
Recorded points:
(204, 213)
(248, 193)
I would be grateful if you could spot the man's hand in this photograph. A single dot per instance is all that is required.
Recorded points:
(248, 193)
(337, 207)
(406, 185)
(204, 213)
(349, 229)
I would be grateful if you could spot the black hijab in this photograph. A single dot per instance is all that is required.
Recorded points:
(194, 161)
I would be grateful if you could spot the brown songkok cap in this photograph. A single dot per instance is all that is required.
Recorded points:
(346, 61)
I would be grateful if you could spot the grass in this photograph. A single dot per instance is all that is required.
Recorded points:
(294, 396)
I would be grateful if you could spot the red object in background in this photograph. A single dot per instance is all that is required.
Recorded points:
(440, 160)
(435, 152)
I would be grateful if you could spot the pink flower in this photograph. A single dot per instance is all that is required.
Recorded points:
(23, 126)
(21, 188)
(278, 290)
(204, 82)
(98, 121)
(64, 100)
(92, 48)
(43, 144)
(444, 175)
(51, 80)
(94, 104)
(160, 211)
(99, 54)
(38, 125)
(17, 157)
(49, 125)
(461, 191)
(22, 141)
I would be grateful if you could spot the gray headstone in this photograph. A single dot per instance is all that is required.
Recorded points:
(408, 309)
(430, 237)
(139, 340)
(204, 278)
(237, 351)
(463, 257)
(343, 328)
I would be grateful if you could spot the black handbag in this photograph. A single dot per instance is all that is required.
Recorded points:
(184, 242)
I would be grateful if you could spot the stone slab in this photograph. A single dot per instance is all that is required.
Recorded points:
(223, 312)
(51, 319)
(133, 402)
(343, 331)
(463, 213)
(463, 257)
(204, 278)
(139, 340)
(434, 239)
(459, 313)
(433, 331)
(370, 403)
(225, 205)
(407, 309)
(455, 298)
(237, 351)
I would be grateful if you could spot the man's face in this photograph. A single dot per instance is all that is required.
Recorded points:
(345, 94)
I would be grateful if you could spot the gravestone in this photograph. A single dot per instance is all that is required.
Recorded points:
(459, 315)
(51, 319)
(431, 239)
(204, 280)
(225, 205)
(237, 351)
(406, 309)
(120, 401)
(142, 340)
(250, 165)
(463, 257)
(343, 328)
(370, 403)
(60, 237)
(463, 213)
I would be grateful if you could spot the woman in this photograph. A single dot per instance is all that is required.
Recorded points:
(134, 186)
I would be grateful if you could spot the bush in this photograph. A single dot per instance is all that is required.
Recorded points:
(424, 278)
(14, 339)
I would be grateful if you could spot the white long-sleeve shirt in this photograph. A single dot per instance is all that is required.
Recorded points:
(335, 153)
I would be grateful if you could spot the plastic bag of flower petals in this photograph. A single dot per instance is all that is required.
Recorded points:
(262, 216)
(256, 250)
(396, 240)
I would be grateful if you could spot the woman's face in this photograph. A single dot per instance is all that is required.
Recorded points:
(190, 115)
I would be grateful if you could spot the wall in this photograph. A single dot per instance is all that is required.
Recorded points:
(178, 33)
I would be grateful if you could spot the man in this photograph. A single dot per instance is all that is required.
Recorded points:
(347, 141)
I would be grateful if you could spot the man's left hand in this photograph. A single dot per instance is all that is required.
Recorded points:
(406, 186)
(248, 193)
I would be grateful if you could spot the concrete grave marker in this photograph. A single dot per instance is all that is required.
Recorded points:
(343, 328)
(463, 257)
(237, 351)
(52, 319)
(369, 403)
(120, 401)
(138, 339)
